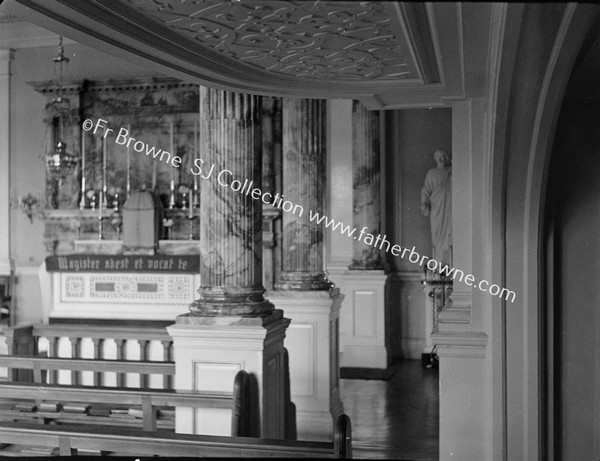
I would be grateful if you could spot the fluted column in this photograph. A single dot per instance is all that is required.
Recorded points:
(231, 220)
(271, 183)
(303, 185)
(366, 184)
(271, 151)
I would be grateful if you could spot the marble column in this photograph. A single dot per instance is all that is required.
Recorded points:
(366, 185)
(230, 221)
(303, 186)
(231, 325)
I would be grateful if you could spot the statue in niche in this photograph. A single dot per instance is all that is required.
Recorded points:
(436, 202)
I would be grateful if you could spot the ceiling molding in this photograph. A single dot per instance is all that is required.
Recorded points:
(246, 45)
(411, 20)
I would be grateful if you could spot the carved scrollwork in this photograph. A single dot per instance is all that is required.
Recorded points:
(319, 39)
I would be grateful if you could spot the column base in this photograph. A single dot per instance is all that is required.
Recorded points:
(219, 301)
(312, 344)
(210, 350)
(302, 281)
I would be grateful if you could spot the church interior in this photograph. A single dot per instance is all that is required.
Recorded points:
(224, 226)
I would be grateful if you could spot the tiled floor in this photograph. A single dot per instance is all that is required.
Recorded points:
(395, 419)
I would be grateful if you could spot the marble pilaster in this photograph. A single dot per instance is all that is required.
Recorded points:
(303, 185)
(366, 185)
(6, 58)
(230, 222)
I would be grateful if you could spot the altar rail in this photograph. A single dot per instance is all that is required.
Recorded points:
(95, 342)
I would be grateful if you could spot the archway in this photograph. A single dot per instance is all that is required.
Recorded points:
(545, 45)
(571, 230)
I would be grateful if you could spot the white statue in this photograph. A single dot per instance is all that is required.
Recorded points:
(436, 202)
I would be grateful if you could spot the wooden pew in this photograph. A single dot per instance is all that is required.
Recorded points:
(147, 400)
(69, 439)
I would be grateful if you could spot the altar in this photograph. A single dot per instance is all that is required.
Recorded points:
(119, 286)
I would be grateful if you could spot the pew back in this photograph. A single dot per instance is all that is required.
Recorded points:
(129, 441)
(148, 401)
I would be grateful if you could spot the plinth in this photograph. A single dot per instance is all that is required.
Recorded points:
(209, 351)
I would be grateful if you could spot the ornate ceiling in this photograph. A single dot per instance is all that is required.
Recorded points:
(322, 40)
(388, 54)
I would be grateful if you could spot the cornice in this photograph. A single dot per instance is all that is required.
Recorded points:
(100, 86)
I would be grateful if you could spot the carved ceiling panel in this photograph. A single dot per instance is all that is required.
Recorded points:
(317, 39)
(387, 54)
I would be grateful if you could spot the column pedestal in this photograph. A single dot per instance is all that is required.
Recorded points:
(362, 319)
(209, 351)
(312, 343)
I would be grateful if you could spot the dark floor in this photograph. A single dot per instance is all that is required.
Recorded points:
(395, 419)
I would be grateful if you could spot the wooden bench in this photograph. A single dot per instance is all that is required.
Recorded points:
(144, 402)
(70, 439)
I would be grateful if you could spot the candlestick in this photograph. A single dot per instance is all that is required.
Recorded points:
(104, 188)
(100, 206)
(194, 200)
(82, 201)
(172, 195)
(191, 221)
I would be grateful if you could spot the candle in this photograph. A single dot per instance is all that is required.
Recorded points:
(172, 153)
(172, 196)
(82, 202)
(103, 196)
(195, 192)
(154, 165)
(128, 163)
